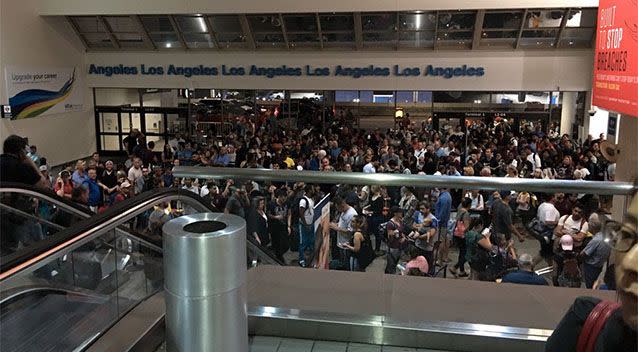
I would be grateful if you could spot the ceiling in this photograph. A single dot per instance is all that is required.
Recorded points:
(516, 29)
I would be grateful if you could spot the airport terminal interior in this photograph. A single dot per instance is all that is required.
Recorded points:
(319, 176)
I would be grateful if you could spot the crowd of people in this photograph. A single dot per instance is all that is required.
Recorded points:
(413, 228)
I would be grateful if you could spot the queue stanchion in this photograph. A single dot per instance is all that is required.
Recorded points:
(205, 283)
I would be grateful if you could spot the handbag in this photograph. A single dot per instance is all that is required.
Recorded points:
(594, 324)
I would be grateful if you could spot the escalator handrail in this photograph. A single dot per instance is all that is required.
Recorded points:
(46, 194)
(61, 202)
(92, 227)
(85, 228)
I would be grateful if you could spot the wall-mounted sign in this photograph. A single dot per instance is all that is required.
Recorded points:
(615, 84)
(288, 71)
(42, 91)
(612, 124)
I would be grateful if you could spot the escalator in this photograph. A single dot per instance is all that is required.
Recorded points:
(68, 275)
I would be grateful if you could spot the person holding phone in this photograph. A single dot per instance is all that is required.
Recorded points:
(16, 166)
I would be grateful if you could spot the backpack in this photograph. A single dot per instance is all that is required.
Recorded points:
(570, 276)
(295, 208)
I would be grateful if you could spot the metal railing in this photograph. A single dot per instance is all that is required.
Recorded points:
(357, 178)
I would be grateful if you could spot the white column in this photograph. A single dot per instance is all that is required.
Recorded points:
(568, 113)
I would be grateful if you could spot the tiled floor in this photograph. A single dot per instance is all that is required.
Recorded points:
(279, 344)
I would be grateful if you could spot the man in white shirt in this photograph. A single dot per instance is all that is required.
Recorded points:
(549, 216)
(306, 224)
(189, 186)
(344, 225)
(533, 158)
(420, 151)
(135, 171)
(369, 168)
(574, 225)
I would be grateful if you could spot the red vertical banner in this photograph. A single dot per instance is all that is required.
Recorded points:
(615, 85)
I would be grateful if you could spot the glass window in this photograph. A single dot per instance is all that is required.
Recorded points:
(455, 20)
(544, 18)
(121, 24)
(346, 96)
(417, 21)
(98, 40)
(424, 39)
(379, 21)
(130, 121)
(199, 40)
(383, 97)
(226, 23)
(365, 96)
(195, 24)
(498, 38)
(503, 20)
(379, 38)
(300, 23)
(154, 123)
(230, 38)
(129, 40)
(175, 124)
(424, 97)
(88, 24)
(111, 143)
(269, 38)
(444, 35)
(520, 97)
(537, 43)
(165, 40)
(265, 23)
(404, 96)
(336, 22)
(157, 24)
(540, 33)
(338, 38)
(577, 37)
(109, 122)
(158, 141)
(582, 18)
(303, 38)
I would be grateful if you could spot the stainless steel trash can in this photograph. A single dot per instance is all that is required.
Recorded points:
(205, 283)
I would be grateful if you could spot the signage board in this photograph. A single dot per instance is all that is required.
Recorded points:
(42, 91)
(615, 85)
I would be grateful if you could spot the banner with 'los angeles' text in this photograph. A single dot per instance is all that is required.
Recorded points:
(615, 84)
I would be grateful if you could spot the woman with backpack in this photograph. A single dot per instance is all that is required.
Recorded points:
(462, 224)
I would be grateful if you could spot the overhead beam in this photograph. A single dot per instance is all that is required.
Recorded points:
(283, 31)
(319, 30)
(180, 36)
(77, 31)
(109, 32)
(145, 36)
(563, 24)
(211, 32)
(436, 32)
(358, 31)
(396, 31)
(245, 27)
(478, 29)
(520, 30)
